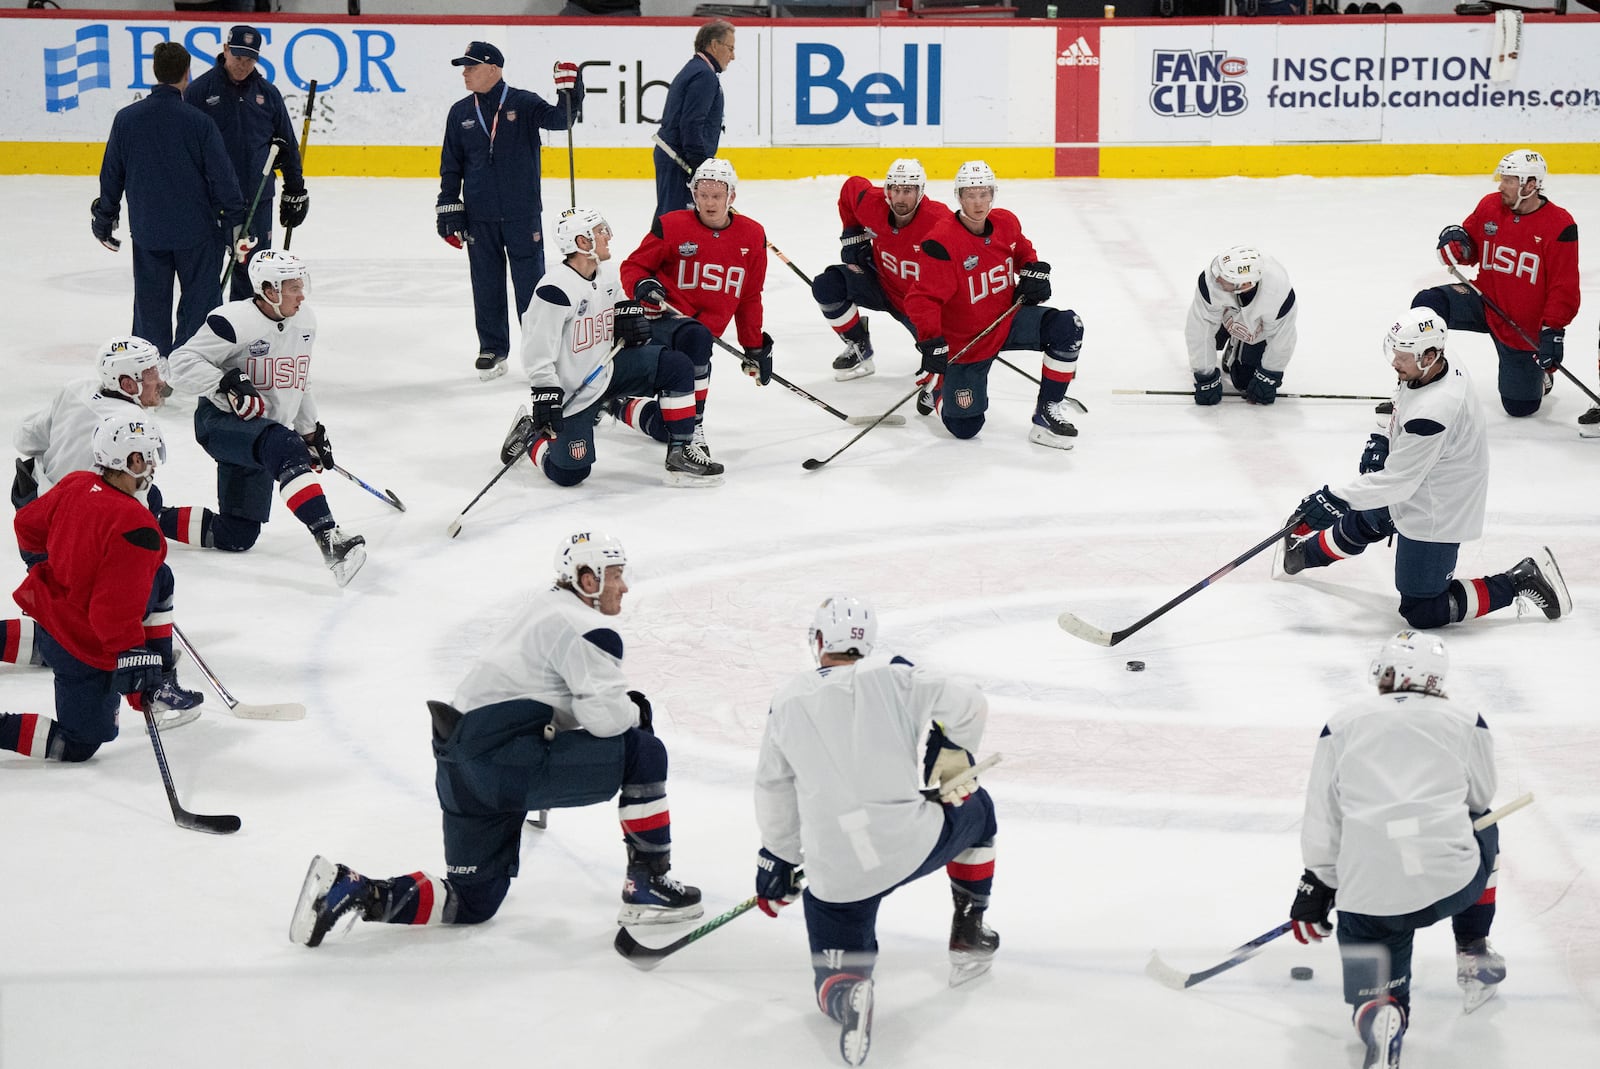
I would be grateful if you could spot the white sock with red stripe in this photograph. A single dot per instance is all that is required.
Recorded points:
(416, 899)
(27, 734)
(16, 641)
(303, 494)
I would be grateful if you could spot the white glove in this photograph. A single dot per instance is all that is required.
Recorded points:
(946, 767)
(242, 248)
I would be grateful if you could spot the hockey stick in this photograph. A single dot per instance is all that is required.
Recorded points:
(855, 421)
(242, 710)
(572, 167)
(1533, 346)
(679, 160)
(649, 957)
(788, 263)
(216, 825)
(1069, 399)
(1281, 395)
(386, 495)
(1161, 972)
(813, 464)
(305, 137)
(970, 773)
(1074, 626)
(233, 256)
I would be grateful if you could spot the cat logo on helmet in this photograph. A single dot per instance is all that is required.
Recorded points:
(117, 438)
(1238, 266)
(274, 267)
(579, 222)
(128, 356)
(1524, 163)
(593, 551)
(1418, 332)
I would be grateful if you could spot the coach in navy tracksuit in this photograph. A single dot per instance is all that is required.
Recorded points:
(182, 197)
(250, 112)
(489, 188)
(691, 121)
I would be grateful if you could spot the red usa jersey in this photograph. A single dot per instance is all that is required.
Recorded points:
(711, 275)
(1528, 265)
(897, 252)
(967, 281)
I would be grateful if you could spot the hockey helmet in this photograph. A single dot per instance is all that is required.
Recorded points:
(1418, 332)
(975, 174)
(1239, 267)
(591, 550)
(117, 438)
(906, 172)
(715, 170)
(843, 624)
(274, 267)
(575, 223)
(1524, 163)
(1418, 661)
(130, 356)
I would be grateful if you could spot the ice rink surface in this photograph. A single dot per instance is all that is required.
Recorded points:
(1138, 811)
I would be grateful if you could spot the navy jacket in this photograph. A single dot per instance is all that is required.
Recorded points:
(503, 185)
(249, 116)
(171, 162)
(691, 122)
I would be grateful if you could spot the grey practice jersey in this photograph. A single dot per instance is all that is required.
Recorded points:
(564, 654)
(274, 354)
(1387, 818)
(62, 436)
(1268, 317)
(1436, 480)
(840, 771)
(567, 332)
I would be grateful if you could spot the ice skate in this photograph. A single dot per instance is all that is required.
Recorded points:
(650, 896)
(1050, 426)
(689, 465)
(1381, 1024)
(928, 398)
(850, 1003)
(344, 554)
(856, 360)
(490, 367)
(972, 943)
(1539, 583)
(1289, 555)
(1479, 971)
(1589, 423)
(173, 706)
(519, 437)
(330, 892)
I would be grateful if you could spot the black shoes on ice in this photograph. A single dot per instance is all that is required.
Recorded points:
(650, 896)
(972, 943)
(1539, 583)
(490, 366)
(344, 554)
(1050, 426)
(690, 464)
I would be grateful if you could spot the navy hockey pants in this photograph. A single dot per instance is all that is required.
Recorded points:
(1376, 951)
(253, 458)
(639, 372)
(519, 243)
(1521, 381)
(198, 273)
(672, 184)
(839, 288)
(1056, 334)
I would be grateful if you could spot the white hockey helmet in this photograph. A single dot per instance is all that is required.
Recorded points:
(1418, 332)
(1418, 660)
(592, 550)
(118, 437)
(131, 356)
(843, 624)
(715, 170)
(575, 223)
(906, 172)
(975, 174)
(274, 267)
(1238, 266)
(1524, 163)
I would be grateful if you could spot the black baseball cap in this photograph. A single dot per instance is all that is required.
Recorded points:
(480, 52)
(244, 41)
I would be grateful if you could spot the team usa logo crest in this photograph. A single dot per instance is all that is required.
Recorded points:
(578, 449)
(511, 115)
(969, 263)
(260, 99)
(688, 248)
(963, 398)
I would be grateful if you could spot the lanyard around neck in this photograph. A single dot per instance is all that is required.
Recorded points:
(488, 129)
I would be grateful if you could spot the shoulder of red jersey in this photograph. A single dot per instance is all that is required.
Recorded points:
(743, 227)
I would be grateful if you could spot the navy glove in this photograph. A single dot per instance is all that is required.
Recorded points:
(1208, 387)
(137, 671)
(293, 207)
(1375, 454)
(242, 395)
(855, 248)
(652, 294)
(452, 223)
(1033, 283)
(1262, 389)
(1552, 347)
(935, 355)
(777, 882)
(102, 222)
(321, 452)
(1322, 509)
(1313, 902)
(647, 719)
(757, 362)
(1460, 244)
(630, 326)
(545, 405)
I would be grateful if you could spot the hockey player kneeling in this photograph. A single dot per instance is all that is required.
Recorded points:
(1396, 784)
(544, 721)
(836, 773)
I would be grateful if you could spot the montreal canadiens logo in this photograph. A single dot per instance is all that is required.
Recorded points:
(963, 398)
(1233, 66)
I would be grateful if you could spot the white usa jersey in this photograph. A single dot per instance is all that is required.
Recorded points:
(567, 332)
(274, 354)
(839, 778)
(1388, 809)
(564, 654)
(1268, 316)
(62, 436)
(1436, 480)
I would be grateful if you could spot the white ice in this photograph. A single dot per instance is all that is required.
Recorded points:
(1138, 811)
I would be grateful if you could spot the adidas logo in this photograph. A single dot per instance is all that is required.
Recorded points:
(1078, 54)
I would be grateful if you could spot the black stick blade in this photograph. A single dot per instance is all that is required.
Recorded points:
(216, 825)
(401, 505)
(640, 955)
(813, 464)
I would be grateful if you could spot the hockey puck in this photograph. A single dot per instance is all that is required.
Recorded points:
(1300, 972)
(1136, 666)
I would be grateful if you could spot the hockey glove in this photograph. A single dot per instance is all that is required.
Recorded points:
(1262, 389)
(647, 716)
(242, 395)
(321, 452)
(757, 361)
(242, 245)
(630, 326)
(855, 248)
(1321, 509)
(935, 355)
(544, 404)
(1552, 347)
(1455, 242)
(1376, 453)
(1033, 283)
(293, 208)
(138, 670)
(451, 219)
(566, 75)
(652, 294)
(777, 882)
(25, 485)
(1208, 387)
(1313, 902)
(102, 223)
(950, 762)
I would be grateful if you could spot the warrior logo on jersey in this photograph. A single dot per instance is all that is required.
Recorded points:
(688, 248)
(963, 398)
(578, 449)
(969, 263)
(260, 347)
